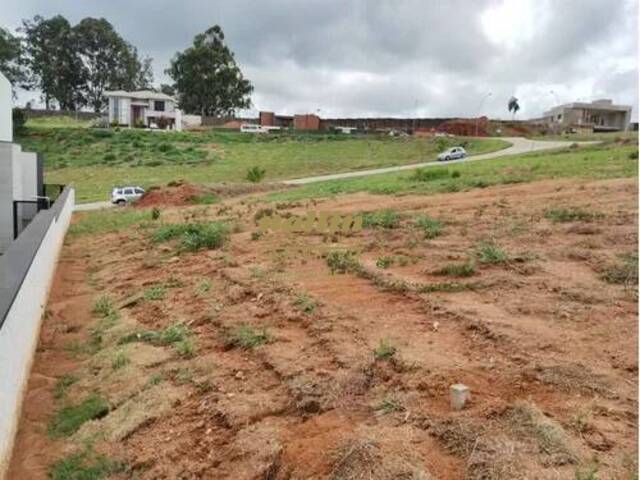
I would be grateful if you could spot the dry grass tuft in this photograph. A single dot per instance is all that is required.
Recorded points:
(528, 420)
(363, 459)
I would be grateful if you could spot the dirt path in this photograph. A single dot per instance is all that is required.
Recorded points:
(65, 321)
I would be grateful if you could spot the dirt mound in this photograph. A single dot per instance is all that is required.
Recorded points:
(181, 193)
(175, 193)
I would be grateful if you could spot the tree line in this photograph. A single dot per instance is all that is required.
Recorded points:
(73, 65)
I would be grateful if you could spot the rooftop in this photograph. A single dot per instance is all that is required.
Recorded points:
(141, 94)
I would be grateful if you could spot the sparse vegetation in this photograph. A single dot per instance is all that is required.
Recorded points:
(387, 218)
(488, 251)
(69, 418)
(385, 261)
(84, 465)
(245, 336)
(256, 174)
(624, 271)
(193, 236)
(342, 261)
(465, 269)
(430, 227)
(120, 360)
(389, 404)
(204, 199)
(154, 292)
(103, 307)
(571, 214)
(305, 303)
(203, 286)
(63, 384)
(384, 351)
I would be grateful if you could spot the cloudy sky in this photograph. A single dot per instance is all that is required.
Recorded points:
(392, 57)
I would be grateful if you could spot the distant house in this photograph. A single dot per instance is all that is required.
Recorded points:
(599, 116)
(143, 108)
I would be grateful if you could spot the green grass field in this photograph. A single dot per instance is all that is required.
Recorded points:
(610, 160)
(94, 160)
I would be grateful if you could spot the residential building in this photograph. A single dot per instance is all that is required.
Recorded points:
(600, 116)
(143, 109)
(21, 187)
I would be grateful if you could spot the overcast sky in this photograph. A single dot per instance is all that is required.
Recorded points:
(394, 57)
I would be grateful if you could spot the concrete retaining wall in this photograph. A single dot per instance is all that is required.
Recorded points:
(26, 273)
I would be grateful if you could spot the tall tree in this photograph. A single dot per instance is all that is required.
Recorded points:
(54, 67)
(11, 59)
(207, 78)
(109, 61)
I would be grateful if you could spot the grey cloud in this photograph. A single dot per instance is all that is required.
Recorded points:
(358, 57)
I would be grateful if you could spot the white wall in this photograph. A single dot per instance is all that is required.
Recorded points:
(6, 195)
(6, 104)
(29, 173)
(16, 159)
(19, 333)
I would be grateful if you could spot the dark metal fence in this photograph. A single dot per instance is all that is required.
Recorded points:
(24, 211)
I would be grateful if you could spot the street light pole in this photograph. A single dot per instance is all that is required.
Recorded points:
(487, 95)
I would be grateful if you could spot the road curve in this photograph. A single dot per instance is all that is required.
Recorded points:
(518, 145)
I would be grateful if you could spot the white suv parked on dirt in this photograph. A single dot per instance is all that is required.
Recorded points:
(122, 195)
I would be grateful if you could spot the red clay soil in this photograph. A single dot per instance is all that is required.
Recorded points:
(175, 193)
(545, 339)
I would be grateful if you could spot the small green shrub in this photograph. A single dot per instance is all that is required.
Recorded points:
(385, 261)
(256, 174)
(63, 384)
(389, 405)
(623, 272)
(85, 465)
(185, 348)
(193, 236)
(103, 307)
(342, 261)
(305, 303)
(69, 419)
(633, 155)
(489, 252)
(245, 336)
(203, 286)
(571, 214)
(155, 292)
(465, 269)
(155, 213)
(119, 361)
(430, 227)
(387, 218)
(384, 350)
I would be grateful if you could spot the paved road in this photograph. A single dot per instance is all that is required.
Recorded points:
(518, 145)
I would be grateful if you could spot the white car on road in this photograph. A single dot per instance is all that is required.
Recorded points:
(122, 195)
(452, 154)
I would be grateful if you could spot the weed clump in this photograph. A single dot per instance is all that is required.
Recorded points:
(103, 307)
(429, 174)
(342, 262)
(63, 384)
(305, 303)
(430, 227)
(69, 419)
(193, 236)
(571, 214)
(384, 350)
(387, 218)
(155, 292)
(84, 465)
(465, 269)
(624, 272)
(245, 336)
(256, 174)
(489, 252)
(176, 335)
(385, 261)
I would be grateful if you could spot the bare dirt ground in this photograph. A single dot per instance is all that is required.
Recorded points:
(546, 344)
